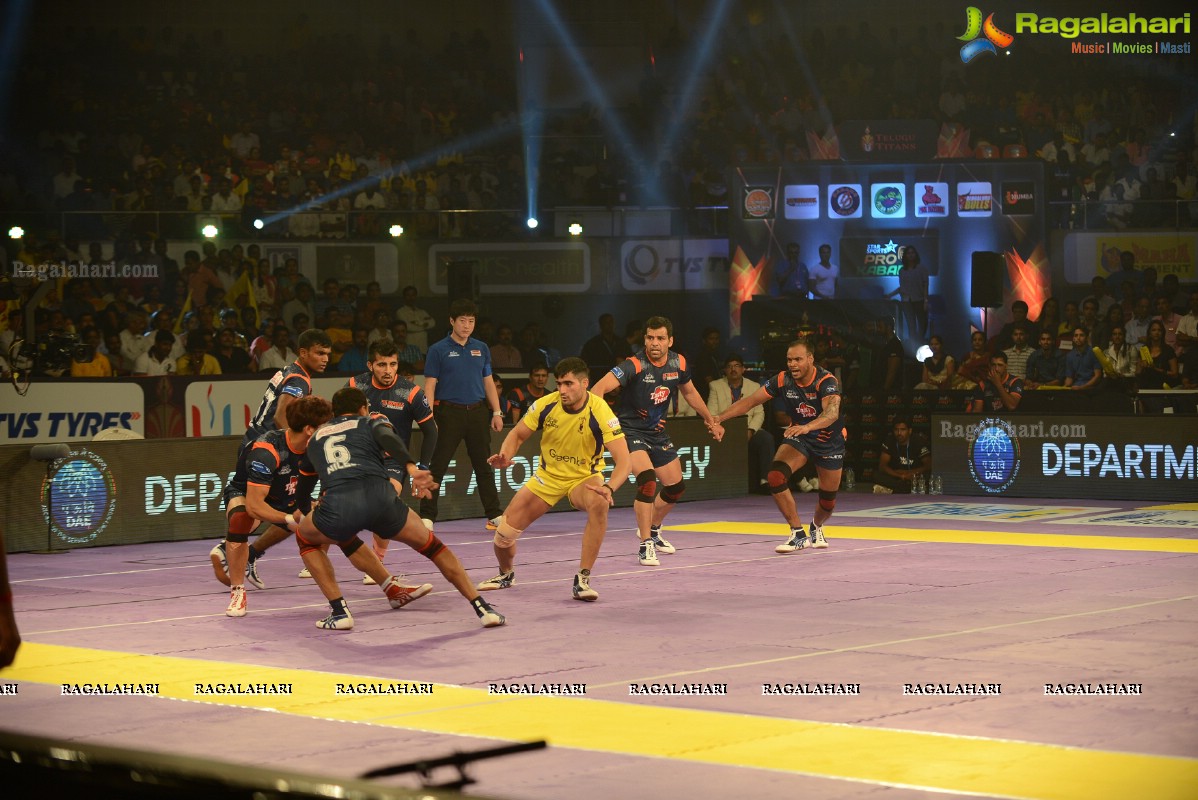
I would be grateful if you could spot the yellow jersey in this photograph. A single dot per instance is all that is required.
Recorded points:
(572, 442)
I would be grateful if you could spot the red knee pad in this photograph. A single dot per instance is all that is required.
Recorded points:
(778, 477)
(827, 500)
(432, 548)
(304, 545)
(646, 486)
(240, 523)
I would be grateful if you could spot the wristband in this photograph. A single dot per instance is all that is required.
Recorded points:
(422, 466)
(496, 413)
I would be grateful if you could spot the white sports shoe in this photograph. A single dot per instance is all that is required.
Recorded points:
(817, 537)
(303, 573)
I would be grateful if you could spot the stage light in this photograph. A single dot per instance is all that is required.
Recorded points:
(259, 224)
(210, 231)
(396, 230)
(575, 228)
(532, 222)
(16, 232)
(923, 353)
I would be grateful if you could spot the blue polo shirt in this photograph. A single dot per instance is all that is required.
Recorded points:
(459, 369)
(1081, 364)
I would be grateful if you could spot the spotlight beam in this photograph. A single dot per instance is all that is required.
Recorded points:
(619, 131)
(698, 57)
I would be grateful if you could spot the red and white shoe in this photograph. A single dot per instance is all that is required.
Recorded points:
(236, 602)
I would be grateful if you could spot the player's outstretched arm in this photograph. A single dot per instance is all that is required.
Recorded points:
(742, 405)
(516, 437)
(606, 385)
(692, 396)
(621, 464)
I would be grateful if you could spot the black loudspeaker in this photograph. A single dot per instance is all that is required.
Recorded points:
(985, 289)
(462, 280)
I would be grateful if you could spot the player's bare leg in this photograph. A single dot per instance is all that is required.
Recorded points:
(672, 486)
(595, 504)
(787, 461)
(829, 483)
(317, 564)
(416, 536)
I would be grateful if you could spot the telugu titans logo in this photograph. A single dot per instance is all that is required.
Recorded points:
(993, 37)
(993, 455)
(79, 497)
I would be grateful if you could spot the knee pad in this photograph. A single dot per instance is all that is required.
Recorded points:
(240, 523)
(304, 545)
(827, 500)
(350, 547)
(237, 538)
(506, 535)
(671, 493)
(778, 477)
(646, 486)
(433, 547)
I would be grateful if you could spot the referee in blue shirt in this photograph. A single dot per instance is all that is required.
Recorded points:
(458, 384)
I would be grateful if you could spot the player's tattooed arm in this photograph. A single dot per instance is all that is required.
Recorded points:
(829, 415)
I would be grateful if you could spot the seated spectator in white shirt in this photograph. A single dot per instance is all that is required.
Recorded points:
(280, 353)
(157, 360)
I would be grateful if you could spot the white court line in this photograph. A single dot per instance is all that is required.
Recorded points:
(208, 564)
(908, 640)
(642, 572)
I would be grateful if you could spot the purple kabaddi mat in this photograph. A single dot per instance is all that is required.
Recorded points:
(876, 612)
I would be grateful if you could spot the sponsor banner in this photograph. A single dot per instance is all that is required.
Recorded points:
(1142, 518)
(515, 268)
(844, 201)
(1103, 457)
(975, 512)
(54, 412)
(225, 408)
(889, 200)
(1018, 197)
(128, 492)
(757, 202)
(800, 201)
(671, 265)
(975, 199)
(881, 255)
(930, 199)
(1097, 253)
(888, 140)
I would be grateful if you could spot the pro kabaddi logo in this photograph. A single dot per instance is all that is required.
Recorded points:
(992, 39)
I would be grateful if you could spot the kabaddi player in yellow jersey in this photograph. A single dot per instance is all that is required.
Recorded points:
(576, 426)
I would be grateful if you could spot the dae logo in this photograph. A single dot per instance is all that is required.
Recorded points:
(79, 497)
(993, 455)
(758, 202)
(890, 200)
(660, 395)
(993, 40)
(844, 200)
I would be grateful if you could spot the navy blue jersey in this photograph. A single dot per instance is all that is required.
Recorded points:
(805, 403)
(293, 380)
(271, 462)
(344, 452)
(522, 397)
(648, 389)
(403, 403)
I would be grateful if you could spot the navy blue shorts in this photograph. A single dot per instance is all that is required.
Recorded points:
(659, 447)
(236, 486)
(369, 507)
(826, 453)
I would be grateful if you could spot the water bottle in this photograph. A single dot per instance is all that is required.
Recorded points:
(937, 485)
(917, 485)
(850, 479)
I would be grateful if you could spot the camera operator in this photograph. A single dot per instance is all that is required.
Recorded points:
(86, 359)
